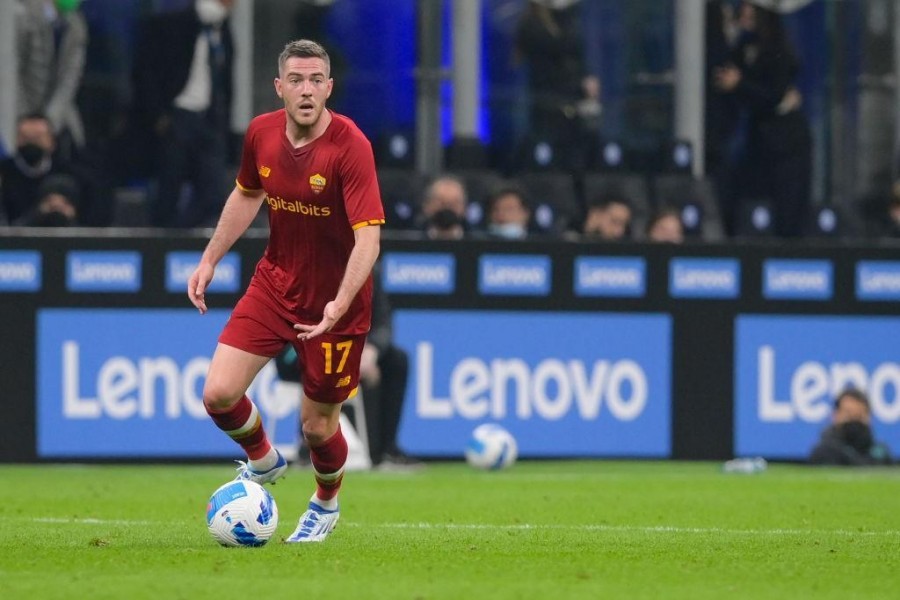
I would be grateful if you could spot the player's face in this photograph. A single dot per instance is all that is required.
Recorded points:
(851, 409)
(304, 86)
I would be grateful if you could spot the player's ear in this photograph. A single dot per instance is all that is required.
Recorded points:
(278, 87)
(330, 87)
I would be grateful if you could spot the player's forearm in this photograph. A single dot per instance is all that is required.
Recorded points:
(359, 265)
(239, 211)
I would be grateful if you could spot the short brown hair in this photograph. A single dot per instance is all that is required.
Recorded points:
(855, 394)
(304, 49)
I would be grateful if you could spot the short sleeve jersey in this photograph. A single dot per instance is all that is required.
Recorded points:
(317, 195)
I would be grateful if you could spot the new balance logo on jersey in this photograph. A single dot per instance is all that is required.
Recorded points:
(265, 171)
(343, 382)
(295, 206)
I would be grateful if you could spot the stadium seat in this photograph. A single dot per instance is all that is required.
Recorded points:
(553, 200)
(609, 156)
(755, 219)
(130, 207)
(536, 154)
(695, 198)
(395, 150)
(401, 194)
(480, 183)
(677, 156)
(831, 221)
(631, 185)
(465, 154)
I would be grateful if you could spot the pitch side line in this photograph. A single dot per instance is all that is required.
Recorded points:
(627, 529)
(526, 527)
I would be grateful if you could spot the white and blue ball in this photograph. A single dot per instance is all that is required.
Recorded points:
(241, 513)
(491, 447)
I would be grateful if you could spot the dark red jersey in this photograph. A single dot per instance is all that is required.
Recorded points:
(317, 196)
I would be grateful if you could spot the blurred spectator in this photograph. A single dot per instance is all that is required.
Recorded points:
(722, 111)
(778, 162)
(52, 44)
(665, 226)
(444, 206)
(564, 98)
(57, 203)
(849, 439)
(34, 160)
(891, 217)
(508, 214)
(445, 224)
(183, 90)
(608, 219)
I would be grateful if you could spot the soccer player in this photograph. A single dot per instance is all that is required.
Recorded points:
(313, 286)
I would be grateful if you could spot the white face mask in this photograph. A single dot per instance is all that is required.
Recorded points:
(211, 12)
(510, 231)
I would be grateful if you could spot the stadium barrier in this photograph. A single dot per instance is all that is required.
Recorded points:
(579, 349)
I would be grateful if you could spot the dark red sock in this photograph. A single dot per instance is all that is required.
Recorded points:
(328, 462)
(243, 424)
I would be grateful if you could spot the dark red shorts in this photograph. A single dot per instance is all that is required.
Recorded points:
(329, 363)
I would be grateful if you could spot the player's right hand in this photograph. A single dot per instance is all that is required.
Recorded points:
(196, 288)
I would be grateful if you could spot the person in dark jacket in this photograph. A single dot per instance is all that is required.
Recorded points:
(849, 440)
(778, 154)
(564, 98)
(184, 87)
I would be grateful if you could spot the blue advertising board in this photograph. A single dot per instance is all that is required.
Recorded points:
(20, 270)
(789, 369)
(103, 271)
(418, 273)
(180, 265)
(878, 280)
(514, 274)
(699, 278)
(564, 384)
(624, 277)
(794, 279)
(129, 383)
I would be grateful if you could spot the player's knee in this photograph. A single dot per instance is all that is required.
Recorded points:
(316, 432)
(217, 399)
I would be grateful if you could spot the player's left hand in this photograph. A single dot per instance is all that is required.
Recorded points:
(330, 316)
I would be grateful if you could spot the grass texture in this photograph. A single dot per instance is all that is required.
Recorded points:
(547, 530)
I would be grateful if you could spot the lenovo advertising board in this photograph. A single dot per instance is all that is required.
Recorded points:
(129, 383)
(565, 384)
(788, 370)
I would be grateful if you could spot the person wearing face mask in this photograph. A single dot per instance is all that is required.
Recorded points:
(508, 214)
(849, 440)
(52, 39)
(183, 91)
(34, 160)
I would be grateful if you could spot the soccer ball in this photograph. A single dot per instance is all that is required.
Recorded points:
(241, 513)
(491, 447)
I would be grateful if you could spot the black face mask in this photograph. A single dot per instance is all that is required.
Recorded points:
(32, 154)
(52, 219)
(857, 435)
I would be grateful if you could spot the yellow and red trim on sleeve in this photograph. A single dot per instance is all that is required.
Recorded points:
(245, 189)
(362, 224)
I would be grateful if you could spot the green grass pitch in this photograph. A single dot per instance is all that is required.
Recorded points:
(586, 529)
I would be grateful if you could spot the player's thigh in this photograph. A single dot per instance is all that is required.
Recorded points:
(231, 372)
(329, 366)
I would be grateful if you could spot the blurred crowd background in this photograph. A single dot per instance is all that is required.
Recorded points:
(660, 120)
